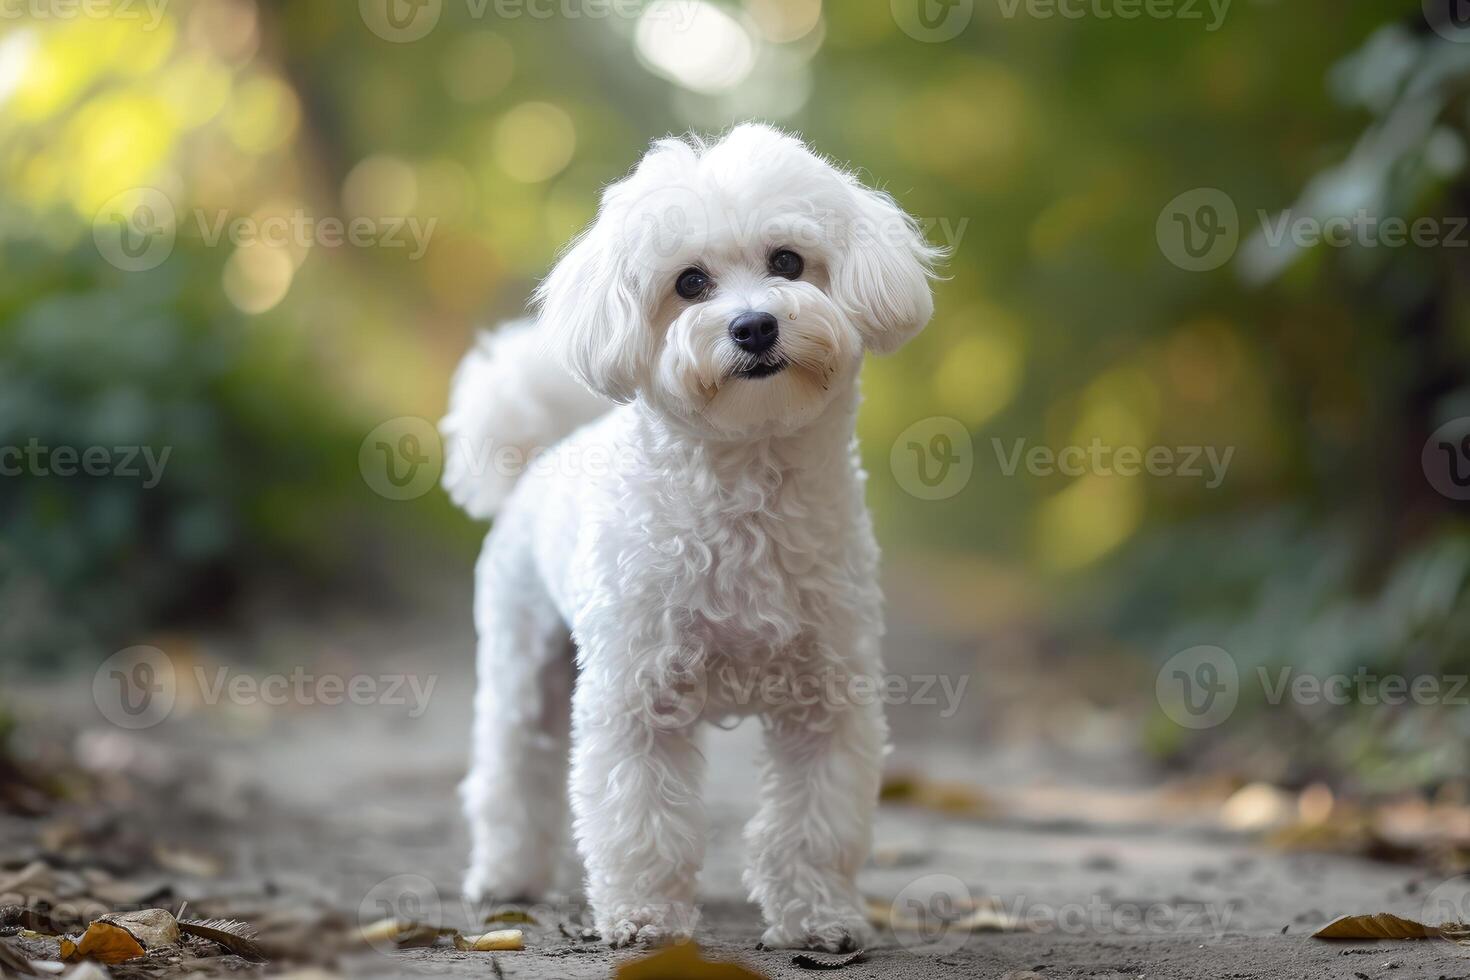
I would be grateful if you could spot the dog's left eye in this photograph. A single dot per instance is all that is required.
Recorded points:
(691, 283)
(785, 263)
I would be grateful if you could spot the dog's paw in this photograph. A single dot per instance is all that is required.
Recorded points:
(825, 930)
(650, 925)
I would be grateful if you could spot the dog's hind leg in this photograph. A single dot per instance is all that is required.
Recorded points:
(515, 795)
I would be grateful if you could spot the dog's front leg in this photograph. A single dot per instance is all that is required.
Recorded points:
(638, 816)
(814, 828)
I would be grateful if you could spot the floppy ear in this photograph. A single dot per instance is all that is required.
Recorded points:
(883, 275)
(592, 317)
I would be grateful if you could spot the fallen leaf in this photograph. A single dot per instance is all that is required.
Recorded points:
(1382, 925)
(984, 915)
(809, 962)
(403, 933)
(511, 915)
(236, 937)
(150, 927)
(682, 962)
(955, 799)
(103, 942)
(502, 940)
(121, 937)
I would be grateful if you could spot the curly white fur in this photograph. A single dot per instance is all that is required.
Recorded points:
(702, 537)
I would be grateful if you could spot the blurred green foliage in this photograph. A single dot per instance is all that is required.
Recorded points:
(1041, 148)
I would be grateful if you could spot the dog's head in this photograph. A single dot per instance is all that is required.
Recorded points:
(735, 285)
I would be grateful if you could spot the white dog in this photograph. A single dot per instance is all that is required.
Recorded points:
(704, 536)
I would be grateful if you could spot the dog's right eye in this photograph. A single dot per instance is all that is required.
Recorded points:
(691, 283)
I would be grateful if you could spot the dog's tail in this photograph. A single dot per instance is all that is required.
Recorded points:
(508, 400)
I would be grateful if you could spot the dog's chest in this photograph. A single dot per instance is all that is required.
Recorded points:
(759, 568)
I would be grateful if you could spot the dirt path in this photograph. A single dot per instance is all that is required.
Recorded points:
(352, 807)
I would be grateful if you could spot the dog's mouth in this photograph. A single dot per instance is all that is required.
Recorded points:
(763, 369)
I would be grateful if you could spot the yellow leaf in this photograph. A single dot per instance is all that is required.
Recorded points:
(501, 940)
(103, 942)
(150, 927)
(1379, 926)
(403, 933)
(952, 798)
(683, 962)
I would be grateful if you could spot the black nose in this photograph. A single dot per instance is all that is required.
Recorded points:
(754, 332)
